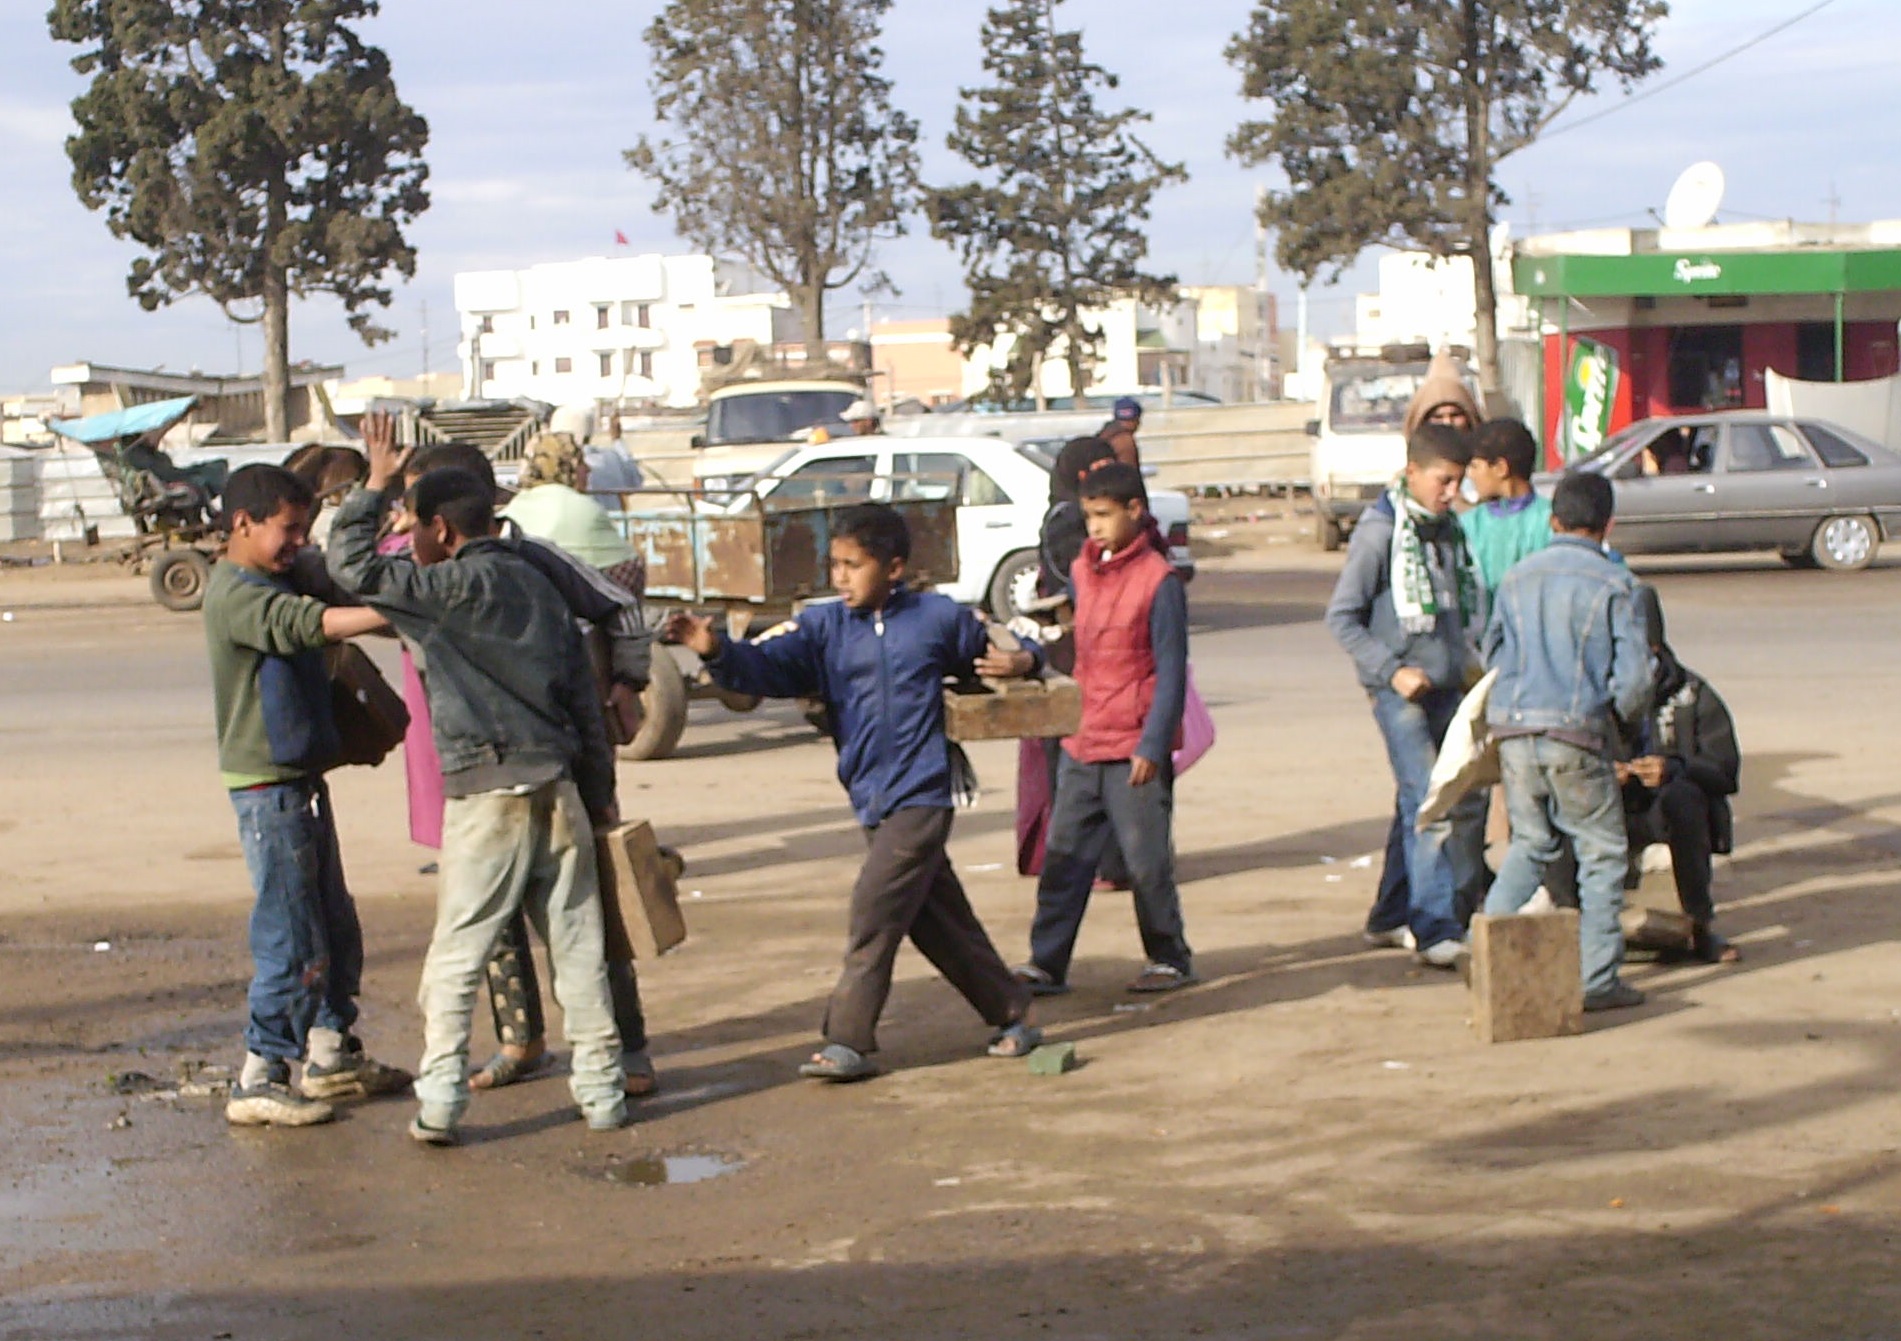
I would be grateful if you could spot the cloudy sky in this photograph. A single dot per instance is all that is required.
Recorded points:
(530, 104)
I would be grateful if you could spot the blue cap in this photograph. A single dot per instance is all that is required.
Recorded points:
(1128, 407)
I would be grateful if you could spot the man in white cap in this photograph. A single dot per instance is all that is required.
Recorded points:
(862, 416)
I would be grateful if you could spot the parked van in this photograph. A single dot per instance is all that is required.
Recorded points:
(1359, 438)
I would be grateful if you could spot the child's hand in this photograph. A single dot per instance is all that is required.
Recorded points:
(379, 445)
(1411, 683)
(997, 664)
(691, 631)
(1141, 770)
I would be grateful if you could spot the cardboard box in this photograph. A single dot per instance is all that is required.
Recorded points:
(1010, 709)
(1526, 978)
(633, 872)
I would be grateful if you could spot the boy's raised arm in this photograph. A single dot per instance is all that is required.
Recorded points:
(785, 665)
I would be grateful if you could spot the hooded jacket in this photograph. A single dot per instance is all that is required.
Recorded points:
(1444, 385)
(881, 672)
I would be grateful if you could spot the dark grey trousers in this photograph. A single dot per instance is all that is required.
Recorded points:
(1094, 801)
(907, 888)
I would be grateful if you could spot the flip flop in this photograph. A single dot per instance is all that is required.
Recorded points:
(1038, 980)
(1019, 1040)
(502, 1070)
(839, 1064)
(1709, 948)
(1162, 978)
(640, 1079)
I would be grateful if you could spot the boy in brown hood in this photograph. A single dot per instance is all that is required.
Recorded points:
(1443, 397)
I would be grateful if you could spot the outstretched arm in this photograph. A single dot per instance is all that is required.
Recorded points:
(784, 666)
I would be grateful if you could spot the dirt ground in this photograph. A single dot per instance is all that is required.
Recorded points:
(1308, 1144)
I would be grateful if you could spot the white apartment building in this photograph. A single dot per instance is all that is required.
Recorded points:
(1425, 298)
(1143, 349)
(609, 330)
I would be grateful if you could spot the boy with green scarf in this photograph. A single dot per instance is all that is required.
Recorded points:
(1409, 609)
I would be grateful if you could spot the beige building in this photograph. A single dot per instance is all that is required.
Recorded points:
(914, 360)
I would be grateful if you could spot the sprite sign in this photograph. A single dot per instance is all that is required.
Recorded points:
(1590, 391)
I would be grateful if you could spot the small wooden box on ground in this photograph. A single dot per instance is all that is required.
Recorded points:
(1010, 709)
(1526, 981)
(633, 871)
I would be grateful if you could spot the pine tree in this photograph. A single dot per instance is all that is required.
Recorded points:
(784, 149)
(1391, 117)
(1051, 229)
(256, 149)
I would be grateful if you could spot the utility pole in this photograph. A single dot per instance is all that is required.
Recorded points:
(1263, 355)
(425, 344)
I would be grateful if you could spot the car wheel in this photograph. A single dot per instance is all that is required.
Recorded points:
(1328, 533)
(1014, 586)
(1845, 544)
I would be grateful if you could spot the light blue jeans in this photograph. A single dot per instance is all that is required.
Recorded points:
(1554, 788)
(1448, 855)
(500, 852)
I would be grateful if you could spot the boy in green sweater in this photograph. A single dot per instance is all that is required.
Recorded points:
(276, 736)
(1511, 520)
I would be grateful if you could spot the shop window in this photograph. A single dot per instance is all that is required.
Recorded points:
(1815, 351)
(1706, 367)
(1754, 448)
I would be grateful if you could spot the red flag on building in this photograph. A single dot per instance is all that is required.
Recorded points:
(620, 238)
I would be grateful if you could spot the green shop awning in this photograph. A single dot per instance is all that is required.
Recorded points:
(1664, 274)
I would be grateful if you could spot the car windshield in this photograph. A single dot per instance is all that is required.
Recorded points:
(772, 416)
(1372, 399)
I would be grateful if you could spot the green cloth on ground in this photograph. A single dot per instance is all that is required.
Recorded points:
(1499, 534)
(571, 520)
(245, 621)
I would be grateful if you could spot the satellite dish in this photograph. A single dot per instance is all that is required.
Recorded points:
(1695, 197)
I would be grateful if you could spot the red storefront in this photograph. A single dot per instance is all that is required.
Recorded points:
(1640, 332)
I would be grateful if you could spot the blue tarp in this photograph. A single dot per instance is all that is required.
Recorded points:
(99, 428)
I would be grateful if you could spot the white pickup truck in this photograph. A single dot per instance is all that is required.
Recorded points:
(1002, 493)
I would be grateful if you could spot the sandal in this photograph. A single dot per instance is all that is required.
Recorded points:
(1019, 1040)
(640, 1080)
(503, 1069)
(1157, 977)
(1038, 980)
(1709, 948)
(837, 1063)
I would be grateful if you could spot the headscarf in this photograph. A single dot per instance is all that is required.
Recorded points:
(1444, 384)
(1077, 456)
(553, 458)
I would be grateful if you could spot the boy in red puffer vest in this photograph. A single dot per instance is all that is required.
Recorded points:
(1116, 774)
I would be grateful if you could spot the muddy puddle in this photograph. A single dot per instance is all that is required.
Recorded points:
(665, 1170)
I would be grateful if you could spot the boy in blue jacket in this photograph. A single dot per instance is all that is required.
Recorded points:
(878, 657)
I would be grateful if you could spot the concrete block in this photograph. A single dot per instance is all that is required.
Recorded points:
(634, 872)
(1526, 980)
(1053, 1059)
(1009, 709)
(1656, 928)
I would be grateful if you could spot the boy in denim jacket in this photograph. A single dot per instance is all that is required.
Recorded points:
(1570, 653)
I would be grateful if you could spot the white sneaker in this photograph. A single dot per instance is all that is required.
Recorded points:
(1399, 938)
(1444, 954)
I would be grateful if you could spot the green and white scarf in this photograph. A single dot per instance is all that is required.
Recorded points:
(1416, 596)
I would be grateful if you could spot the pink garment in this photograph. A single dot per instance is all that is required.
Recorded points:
(1198, 729)
(420, 762)
(422, 767)
(1033, 805)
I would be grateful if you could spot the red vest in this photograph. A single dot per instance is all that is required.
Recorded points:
(1115, 662)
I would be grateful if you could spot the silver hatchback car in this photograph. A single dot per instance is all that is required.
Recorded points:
(1818, 494)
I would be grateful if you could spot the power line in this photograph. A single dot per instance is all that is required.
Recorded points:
(1689, 74)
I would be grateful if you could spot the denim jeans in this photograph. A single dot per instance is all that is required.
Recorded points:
(501, 852)
(1095, 803)
(1552, 789)
(1424, 870)
(306, 944)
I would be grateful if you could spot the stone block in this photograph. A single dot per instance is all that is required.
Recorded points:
(635, 873)
(1526, 980)
(1010, 709)
(1053, 1059)
(1656, 928)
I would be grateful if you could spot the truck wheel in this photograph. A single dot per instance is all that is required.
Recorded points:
(663, 704)
(1845, 544)
(1328, 533)
(179, 577)
(1014, 585)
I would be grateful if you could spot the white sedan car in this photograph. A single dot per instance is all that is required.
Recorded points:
(1002, 493)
